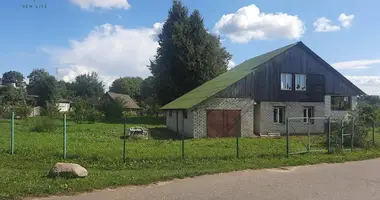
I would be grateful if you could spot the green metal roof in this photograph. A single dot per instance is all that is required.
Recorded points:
(222, 81)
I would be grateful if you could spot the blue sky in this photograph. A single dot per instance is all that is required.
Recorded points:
(117, 38)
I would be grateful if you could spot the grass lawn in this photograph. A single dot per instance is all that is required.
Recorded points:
(98, 148)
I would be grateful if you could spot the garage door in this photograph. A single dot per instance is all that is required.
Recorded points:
(222, 123)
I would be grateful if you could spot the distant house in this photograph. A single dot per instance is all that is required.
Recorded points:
(127, 102)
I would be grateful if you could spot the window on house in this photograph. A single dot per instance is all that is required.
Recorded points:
(185, 114)
(279, 115)
(301, 82)
(286, 81)
(308, 112)
(340, 103)
(170, 113)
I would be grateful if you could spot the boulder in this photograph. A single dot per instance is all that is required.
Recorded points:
(68, 170)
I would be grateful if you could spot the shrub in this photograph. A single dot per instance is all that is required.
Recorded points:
(51, 110)
(359, 121)
(5, 111)
(22, 110)
(82, 112)
(113, 110)
(44, 124)
(93, 115)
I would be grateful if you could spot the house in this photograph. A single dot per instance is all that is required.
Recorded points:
(64, 105)
(264, 92)
(127, 102)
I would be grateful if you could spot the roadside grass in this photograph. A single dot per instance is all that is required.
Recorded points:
(98, 148)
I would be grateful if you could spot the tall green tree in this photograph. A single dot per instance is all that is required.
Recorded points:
(127, 85)
(147, 89)
(187, 56)
(10, 95)
(88, 87)
(148, 97)
(44, 85)
(13, 77)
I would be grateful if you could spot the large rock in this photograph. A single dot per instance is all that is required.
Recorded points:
(68, 170)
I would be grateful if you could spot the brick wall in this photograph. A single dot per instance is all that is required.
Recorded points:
(292, 109)
(200, 114)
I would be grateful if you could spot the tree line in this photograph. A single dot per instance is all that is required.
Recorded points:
(188, 56)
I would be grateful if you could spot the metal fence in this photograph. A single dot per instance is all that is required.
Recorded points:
(303, 135)
(326, 134)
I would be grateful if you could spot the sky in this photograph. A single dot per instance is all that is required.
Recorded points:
(117, 38)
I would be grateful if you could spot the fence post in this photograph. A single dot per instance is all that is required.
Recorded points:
(183, 147)
(329, 136)
(342, 134)
(308, 135)
(124, 139)
(352, 135)
(287, 137)
(64, 136)
(13, 133)
(373, 132)
(237, 136)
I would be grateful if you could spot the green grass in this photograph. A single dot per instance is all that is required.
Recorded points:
(98, 148)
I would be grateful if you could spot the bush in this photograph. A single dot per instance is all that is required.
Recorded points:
(22, 110)
(113, 110)
(44, 124)
(359, 121)
(5, 111)
(51, 110)
(82, 112)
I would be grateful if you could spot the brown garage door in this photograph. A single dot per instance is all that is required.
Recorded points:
(222, 123)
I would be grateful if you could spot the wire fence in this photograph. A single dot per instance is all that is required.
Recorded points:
(326, 134)
(111, 142)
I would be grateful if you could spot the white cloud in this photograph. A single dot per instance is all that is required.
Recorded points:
(325, 25)
(248, 23)
(105, 4)
(355, 64)
(110, 50)
(231, 64)
(369, 84)
(346, 20)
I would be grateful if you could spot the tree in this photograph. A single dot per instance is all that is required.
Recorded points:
(10, 95)
(148, 97)
(64, 89)
(127, 85)
(13, 77)
(147, 88)
(187, 56)
(88, 87)
(44, 85)
(373, 100)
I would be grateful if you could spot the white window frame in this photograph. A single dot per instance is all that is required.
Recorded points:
(286, 78)
(306, 117)
(276, 119)
(301, 78)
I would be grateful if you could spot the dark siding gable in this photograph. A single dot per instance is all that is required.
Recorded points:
(241, 89)
(263, 84)
(321, 79)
